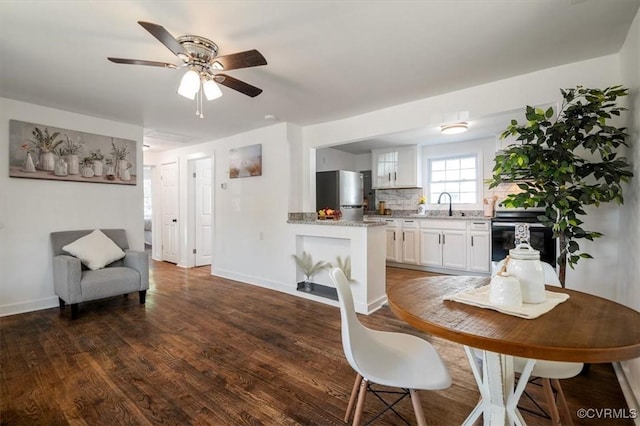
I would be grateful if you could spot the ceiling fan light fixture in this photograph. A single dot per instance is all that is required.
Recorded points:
(454, 128)
(189, 85)
(217, 66)
(211, 90)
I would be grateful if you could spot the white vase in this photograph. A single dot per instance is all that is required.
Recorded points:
(125, 175)
(121, 165)
(61, 168)
(97, 168)
(28, 165)
(74, 164)
(47, 161)
(86, 171)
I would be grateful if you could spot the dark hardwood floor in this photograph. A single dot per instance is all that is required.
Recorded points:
(205, 350)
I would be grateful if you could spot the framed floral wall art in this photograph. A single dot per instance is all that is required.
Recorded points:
(245, 161)
(38, 151)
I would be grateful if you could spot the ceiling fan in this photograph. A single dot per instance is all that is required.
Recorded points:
(199, 55)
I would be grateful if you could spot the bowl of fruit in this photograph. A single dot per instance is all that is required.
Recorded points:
(324, 214)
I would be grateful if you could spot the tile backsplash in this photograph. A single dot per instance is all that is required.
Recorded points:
(399, 199)
(407, 199)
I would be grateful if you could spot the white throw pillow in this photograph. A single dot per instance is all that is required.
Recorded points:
(95, 250)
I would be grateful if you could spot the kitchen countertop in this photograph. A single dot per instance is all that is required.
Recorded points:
(427, 216)
(352, 223)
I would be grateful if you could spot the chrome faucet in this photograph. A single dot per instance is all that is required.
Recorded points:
(441, 194)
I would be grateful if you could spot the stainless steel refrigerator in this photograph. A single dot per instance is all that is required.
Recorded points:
(341, 190)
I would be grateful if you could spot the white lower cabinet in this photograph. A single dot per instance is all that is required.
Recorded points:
(394, 237)
(443, 243)
(410, 242)
(430, 247)
(454, 249)
(479, 247)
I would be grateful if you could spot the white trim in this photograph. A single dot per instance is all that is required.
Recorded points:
(29, 306)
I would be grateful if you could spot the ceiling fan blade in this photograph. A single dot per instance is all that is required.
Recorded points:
(250, 58)
(141, 62)
(240, 86)
(164, 37)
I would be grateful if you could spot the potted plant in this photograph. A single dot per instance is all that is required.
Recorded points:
(119, 154)
(97, 157)
(566, 164)
(344, 266)
(305, 262)
(422, 204)
(45, 143)
(71, 149)
(61, 167)
(87, 167)
(110, 175)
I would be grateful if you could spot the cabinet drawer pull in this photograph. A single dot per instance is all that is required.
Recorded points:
(403, 236)
(394, 235)
(439, 235)
(443, 238)
(472, 241)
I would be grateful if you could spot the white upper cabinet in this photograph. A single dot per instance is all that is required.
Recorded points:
(397, 167)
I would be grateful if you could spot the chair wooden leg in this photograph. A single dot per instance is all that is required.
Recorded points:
(564, 408)
(417, 407)
(360, 406)
(143, 296)
(352, 398)
(551, 402)
(74, 311)
(62, 303)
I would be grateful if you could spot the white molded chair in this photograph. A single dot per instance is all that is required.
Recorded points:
(385, 358)
(549, 372)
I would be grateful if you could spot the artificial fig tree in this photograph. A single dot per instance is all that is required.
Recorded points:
(566, 161)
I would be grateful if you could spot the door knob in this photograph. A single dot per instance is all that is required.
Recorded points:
(174, 220)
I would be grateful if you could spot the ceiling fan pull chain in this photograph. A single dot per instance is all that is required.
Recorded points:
(201, 96)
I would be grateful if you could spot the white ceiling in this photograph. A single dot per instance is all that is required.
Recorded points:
(327, 59)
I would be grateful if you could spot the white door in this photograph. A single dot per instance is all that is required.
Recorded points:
(169, 180)
(203, 213)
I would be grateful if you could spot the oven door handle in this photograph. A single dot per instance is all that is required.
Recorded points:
(513, 224)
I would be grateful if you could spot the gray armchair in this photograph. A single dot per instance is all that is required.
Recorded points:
(74, 283)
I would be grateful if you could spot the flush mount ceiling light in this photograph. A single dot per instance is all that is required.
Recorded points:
(454, 128)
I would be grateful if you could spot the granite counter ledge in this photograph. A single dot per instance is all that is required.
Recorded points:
(352, 223)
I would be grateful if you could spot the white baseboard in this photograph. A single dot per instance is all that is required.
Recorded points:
(288, 289)
(629, 391)
(29, 306)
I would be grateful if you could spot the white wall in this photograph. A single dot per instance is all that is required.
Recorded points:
(628, 284)
(30, 209)
(251, 236)
(328, 159)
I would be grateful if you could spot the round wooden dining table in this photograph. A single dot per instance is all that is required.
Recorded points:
(585, 328)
